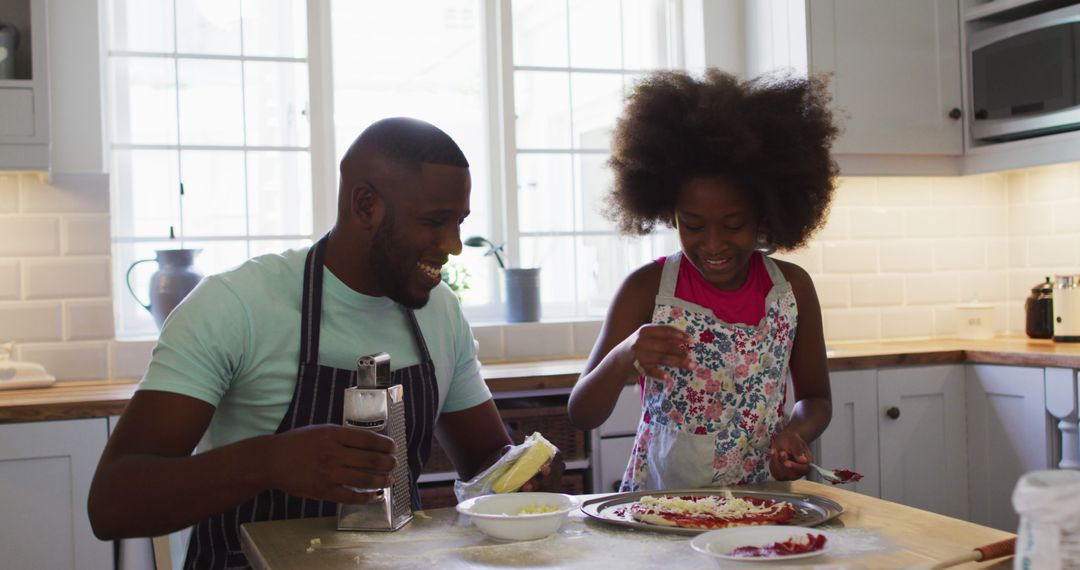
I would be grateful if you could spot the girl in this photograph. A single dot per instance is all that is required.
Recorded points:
(715, 330)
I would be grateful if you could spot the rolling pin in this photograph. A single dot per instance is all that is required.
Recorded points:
(988, 552)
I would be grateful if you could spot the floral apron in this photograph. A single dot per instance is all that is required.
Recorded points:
(713, 425)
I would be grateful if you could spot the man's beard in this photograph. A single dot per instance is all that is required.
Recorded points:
(391, 268)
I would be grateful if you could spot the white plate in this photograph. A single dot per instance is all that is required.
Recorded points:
(718, 543)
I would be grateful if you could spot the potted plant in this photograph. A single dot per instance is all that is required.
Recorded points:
(522, 285)
(456, 276)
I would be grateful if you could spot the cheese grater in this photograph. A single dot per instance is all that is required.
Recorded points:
(376, 405)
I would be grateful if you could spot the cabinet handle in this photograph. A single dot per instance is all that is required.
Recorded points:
(893, 412)
(955, 113)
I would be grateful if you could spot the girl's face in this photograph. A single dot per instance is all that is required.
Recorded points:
(718, 229)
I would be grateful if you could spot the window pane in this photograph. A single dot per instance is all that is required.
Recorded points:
(480, 275)
(218, 256)
(142, 25)
(598, 100)
(545, 192)
(213, 202)
(146, 193)
(275, 28)
(264, 246)
(539, 32)
(542, 106)
(603, 264)
(211, 108)
(594, 183)
(555, 257)
(276, 103)
(279, 192)
(436, 74)
(595, 34)
(645, 36)
(143, 105)
(208, 26)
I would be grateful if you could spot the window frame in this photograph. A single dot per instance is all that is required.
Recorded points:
(500, 126)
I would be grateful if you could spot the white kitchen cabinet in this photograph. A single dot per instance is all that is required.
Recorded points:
(45, 470)
(895, 74)
(610, 458)
(851, 440)
(922, 438)
(24, 98)
(612, 441)
(1009, 433)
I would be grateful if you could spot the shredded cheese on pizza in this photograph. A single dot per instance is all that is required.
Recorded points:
(710, 511)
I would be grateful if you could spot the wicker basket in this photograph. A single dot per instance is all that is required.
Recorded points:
(438, 495)
(552, 422)
(521, 418)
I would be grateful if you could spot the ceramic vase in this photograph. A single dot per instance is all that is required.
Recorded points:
(173, 280)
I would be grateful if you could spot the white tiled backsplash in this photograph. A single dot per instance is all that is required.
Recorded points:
(895, 258)
(55, 291)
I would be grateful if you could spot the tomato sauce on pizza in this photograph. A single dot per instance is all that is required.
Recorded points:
(710, 511)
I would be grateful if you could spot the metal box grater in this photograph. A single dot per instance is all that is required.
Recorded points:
(391, 509)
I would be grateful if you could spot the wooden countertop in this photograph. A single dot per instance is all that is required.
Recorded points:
(104, 398)
(871, 533)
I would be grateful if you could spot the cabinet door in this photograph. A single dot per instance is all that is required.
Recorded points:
(895, 69)
(46, 469)
(625, 416)
(851, 440)
(923, 433)
(1009, 434)
(610, 458)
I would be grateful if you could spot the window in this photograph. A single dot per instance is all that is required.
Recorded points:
(209, 135)
(212, 135)
(573, 62)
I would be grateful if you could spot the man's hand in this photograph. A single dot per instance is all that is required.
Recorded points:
(789, 457)
(322, 461)
(550, 476)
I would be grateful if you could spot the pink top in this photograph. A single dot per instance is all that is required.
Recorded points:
(745, 305)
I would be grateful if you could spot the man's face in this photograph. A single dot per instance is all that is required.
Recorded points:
(421, 229)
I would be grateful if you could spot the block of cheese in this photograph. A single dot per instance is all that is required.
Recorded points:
(526, 466)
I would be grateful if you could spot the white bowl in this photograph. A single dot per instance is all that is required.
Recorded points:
(498, 515)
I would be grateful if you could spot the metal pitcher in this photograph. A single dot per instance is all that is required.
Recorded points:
(173, 280)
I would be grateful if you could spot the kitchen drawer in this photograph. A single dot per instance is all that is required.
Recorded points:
(626, 415)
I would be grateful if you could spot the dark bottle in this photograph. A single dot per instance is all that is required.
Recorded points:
(1039, 308)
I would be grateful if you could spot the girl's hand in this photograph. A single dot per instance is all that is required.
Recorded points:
(789, 457)
(653, 345)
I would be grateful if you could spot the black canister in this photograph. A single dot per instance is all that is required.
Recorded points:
(1039, 308)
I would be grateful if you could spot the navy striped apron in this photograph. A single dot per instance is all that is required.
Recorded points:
(215, 542)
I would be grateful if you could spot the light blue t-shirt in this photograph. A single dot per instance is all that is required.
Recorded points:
(234, 343)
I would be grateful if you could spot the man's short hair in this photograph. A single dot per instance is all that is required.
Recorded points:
(409, 143)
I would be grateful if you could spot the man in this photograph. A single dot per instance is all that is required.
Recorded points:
(252, 365)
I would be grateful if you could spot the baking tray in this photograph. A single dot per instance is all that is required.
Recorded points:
(810, 510)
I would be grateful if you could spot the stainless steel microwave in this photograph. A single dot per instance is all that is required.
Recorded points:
(1025, 76)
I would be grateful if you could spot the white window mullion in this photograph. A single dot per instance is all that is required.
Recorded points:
(244, 139)
(508, 139)
(179, 154)
(324, 181)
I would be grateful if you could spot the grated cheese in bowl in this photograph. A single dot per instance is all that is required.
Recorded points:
(537, 509)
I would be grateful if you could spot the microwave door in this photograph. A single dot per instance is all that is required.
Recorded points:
(1026, 84)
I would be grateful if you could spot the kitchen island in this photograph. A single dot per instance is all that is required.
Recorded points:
(871, 533)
